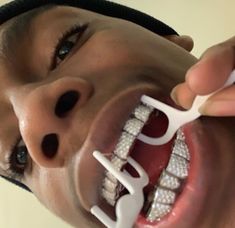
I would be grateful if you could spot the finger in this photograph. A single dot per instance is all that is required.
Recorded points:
(182, 95)
(211, 72)
(219, 108)
(221, 104)
(185, 42)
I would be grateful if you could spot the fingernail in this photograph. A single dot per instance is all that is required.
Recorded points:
(174, 96)
(217, 108)
(210, 108)
(203, 109)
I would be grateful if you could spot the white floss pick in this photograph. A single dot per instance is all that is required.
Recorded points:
(176, 117)
(128, 206)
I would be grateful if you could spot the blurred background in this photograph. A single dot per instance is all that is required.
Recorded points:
(207, 21)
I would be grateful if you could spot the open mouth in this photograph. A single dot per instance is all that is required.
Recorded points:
(167, 165)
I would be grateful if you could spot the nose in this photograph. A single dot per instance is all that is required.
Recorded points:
(46, 113)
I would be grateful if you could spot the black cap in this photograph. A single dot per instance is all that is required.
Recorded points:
(104, 7)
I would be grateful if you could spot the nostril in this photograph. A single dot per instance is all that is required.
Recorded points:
(66, 103)
(50, 144)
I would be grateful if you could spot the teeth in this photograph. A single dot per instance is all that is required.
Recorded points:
(133, 126)
(117, 162)
(180, 135)
(130, 131)
(169, 181)
(110, 182)
(171, 178)
(180, 148)
(123, 146)
(157, 211)
(109, 196)
(142, 112)
(109, 185)
(111, 178)
(178, 166)
(164, 196)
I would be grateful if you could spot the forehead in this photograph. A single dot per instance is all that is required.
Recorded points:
(14, 29)
(23, 28)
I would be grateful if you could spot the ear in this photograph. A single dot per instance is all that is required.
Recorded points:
(185, 42)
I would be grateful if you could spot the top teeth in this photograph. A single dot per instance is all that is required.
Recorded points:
(133, 126)
(117, 162)
(130, 131)
(180, 148)
(168, 181)
(124, 144)
(142, 112)
(164, 196)
(180, 135)
(178, 166)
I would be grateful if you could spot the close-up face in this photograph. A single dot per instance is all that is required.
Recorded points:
(70, 84)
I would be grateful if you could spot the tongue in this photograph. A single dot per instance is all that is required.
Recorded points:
(152, 158)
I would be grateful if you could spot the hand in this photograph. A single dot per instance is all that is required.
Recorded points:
(207, 76)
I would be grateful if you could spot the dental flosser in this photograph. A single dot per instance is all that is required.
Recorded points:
(129, 206)
(176, 117)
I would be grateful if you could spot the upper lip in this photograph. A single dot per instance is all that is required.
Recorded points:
(103, 136)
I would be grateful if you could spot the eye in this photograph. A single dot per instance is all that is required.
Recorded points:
(66, 43)
(21, 154)
(65, 49)
(18, 160)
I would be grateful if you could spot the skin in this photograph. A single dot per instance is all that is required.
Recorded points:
(107, 64)
(216, 63)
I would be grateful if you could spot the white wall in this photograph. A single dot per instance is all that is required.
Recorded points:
(20, 209)
(207, 21)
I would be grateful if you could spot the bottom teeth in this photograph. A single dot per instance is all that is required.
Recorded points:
(168, 181)
(164, 196)
(165, 193)
(158, 211)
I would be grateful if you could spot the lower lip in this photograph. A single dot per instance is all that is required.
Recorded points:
(187, 208)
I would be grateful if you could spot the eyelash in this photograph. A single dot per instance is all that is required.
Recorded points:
(13, 171)
(65, 35)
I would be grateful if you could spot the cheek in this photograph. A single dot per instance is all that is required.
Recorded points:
(108, 50)
(52, 191)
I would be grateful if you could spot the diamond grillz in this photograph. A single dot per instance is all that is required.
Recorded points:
(170, 181)
(130, 131)
(165, 193)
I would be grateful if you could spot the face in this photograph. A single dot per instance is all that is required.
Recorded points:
(68, 84)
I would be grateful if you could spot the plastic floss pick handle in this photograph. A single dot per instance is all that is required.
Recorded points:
(176, 117)
(128, 206)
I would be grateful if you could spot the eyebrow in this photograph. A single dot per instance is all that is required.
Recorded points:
(19, 28)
